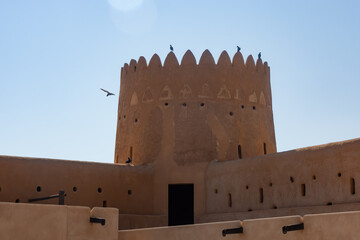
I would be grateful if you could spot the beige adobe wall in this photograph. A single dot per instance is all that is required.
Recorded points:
(279, 212)
(193, 112)
(21, 177)
(188, 232)
(43, 222)
(134, 221)
(315, 176)
(332, 226)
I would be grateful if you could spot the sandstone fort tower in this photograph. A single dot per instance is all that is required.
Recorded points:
(191, 112)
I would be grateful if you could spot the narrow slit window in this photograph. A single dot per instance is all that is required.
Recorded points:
(131, 153)
(352, 186)
(239, 151)
(264, 148)
(303, 189)
(261, 195)
(230, 200)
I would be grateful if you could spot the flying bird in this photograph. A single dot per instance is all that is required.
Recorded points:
(128, 161)
(238, 48)
(171, 48)
(259, 55)
(108, 93)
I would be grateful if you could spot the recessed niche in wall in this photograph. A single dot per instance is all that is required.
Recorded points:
(314, 177)
(215, 191)
(166, 104)
(230, 200)
(254, 107)
(124, 116)
(129, 192)
(264, 148)
(99, 190)
(0, 189)
(339, 174)
(291, 179)
(184, 104)
(249, 210)
(242, 106)
(239, 151)
(202, 104)
(38, 189)
(17, 200)
(270, 184)
(261, 191)
(231, 113)
(104, 203)
(329, 203)
(131, 153)
(352, 186)
(134, 68)
(136, 120)
(247, 187)
(303, 189)
(274, 207)
(74, 189)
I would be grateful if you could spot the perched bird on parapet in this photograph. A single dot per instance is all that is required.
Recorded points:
(108, 93)
(171, 48)
(259, 55)
(128, 161)
(238, 48)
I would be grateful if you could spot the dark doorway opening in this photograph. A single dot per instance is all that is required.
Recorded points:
(181, 204)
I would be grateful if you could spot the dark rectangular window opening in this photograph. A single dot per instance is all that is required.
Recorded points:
(239, 151)
(131, 153)
(181, 204)
(303, 189)
(230, 200)
(264, 148)
(261, 195)
(352, 185)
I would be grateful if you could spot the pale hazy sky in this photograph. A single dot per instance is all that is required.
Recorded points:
(55, 55)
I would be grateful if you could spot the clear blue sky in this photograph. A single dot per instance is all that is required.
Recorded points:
(55, 55)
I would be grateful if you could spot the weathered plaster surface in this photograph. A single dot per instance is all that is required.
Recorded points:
(333, 226)
(44, 222)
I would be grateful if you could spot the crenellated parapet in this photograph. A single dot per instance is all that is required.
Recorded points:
(197, 111)
(227, 79)
(206, 59)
